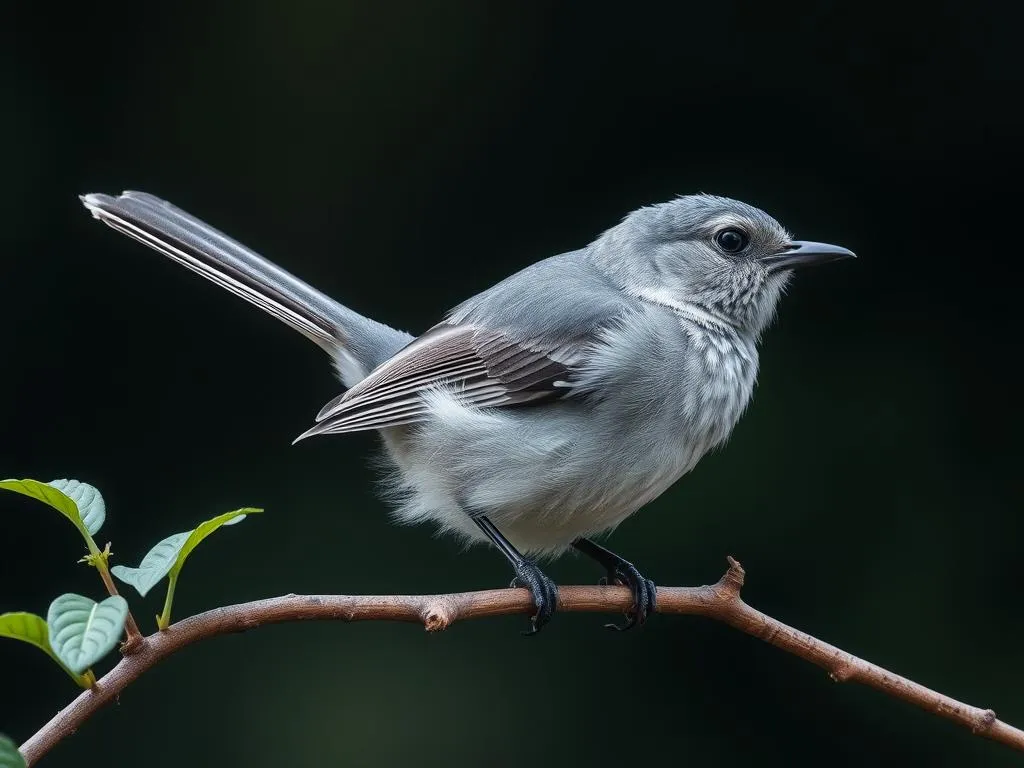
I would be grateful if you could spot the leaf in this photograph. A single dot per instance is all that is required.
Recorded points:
(205, 529)
(28, 628)
(88, 500)
(10, 757)
(78, 502)
(83, 631)
(32, 629)
(155, 565)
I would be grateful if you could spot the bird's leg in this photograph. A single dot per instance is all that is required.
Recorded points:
(623, 572)
(528, 575)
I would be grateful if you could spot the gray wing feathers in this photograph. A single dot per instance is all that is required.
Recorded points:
(513, 344)
(479, 367)
(226, 262)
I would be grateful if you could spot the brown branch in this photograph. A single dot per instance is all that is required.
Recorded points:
(133, 637)
(98, 559)
(720, 601)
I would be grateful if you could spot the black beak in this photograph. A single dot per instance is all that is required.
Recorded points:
(804, 253)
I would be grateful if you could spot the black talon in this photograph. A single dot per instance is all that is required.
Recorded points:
(644, 594)
(528, 575)
(623, 572)
(543, 590)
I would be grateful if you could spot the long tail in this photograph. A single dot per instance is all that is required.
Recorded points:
(356, 343)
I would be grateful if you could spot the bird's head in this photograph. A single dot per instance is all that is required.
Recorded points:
(712, 254)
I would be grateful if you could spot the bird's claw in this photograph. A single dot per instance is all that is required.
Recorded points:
(644, 594)
(543, 590)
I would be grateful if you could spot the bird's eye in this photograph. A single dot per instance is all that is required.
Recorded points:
(731, 240)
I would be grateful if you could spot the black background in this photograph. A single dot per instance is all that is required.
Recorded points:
(404, 156)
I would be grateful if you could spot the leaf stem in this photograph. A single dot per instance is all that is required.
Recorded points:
(90, 543)
(99, 560)
(164, 619)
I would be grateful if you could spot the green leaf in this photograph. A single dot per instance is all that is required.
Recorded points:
(88, 500)
(28, 628)
(83, 631)
(78, 502)
(155, 565)
(32, 629)
(184, 548)
(10, 757)
(205, 529)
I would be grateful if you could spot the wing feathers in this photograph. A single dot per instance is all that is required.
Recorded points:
(479, 367)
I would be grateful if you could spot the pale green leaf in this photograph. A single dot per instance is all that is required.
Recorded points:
(88, 521)
(10, 757)
(88, 500)
(155, 565)
(83, 631)
(205, 529)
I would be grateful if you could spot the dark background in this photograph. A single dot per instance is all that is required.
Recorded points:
(404, 156)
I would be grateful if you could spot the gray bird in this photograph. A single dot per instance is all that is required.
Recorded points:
(550, 407)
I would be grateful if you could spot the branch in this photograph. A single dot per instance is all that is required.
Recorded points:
(720, 601)
(132, 634)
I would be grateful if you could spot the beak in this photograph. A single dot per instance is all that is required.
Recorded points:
(804, 253)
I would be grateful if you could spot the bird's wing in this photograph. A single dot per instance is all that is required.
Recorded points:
(518, 342)
(479, 367)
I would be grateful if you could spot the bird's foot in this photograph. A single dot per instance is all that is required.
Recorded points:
(625, 574)
(543, 590)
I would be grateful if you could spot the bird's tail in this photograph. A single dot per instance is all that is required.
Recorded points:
(356, 343)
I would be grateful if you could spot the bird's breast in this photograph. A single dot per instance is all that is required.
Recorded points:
(721, 369)
(672, 390)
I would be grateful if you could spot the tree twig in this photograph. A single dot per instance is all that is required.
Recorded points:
(720, 601)
(133, 637)
(98, 559)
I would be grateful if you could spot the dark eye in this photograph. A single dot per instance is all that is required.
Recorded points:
(731, 240)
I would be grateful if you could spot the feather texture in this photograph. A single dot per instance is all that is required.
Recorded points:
(479, 367)
(556, 402)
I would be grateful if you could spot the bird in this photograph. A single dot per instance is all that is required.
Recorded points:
(542, 412)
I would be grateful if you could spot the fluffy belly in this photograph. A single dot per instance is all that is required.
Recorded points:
(544, 477)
